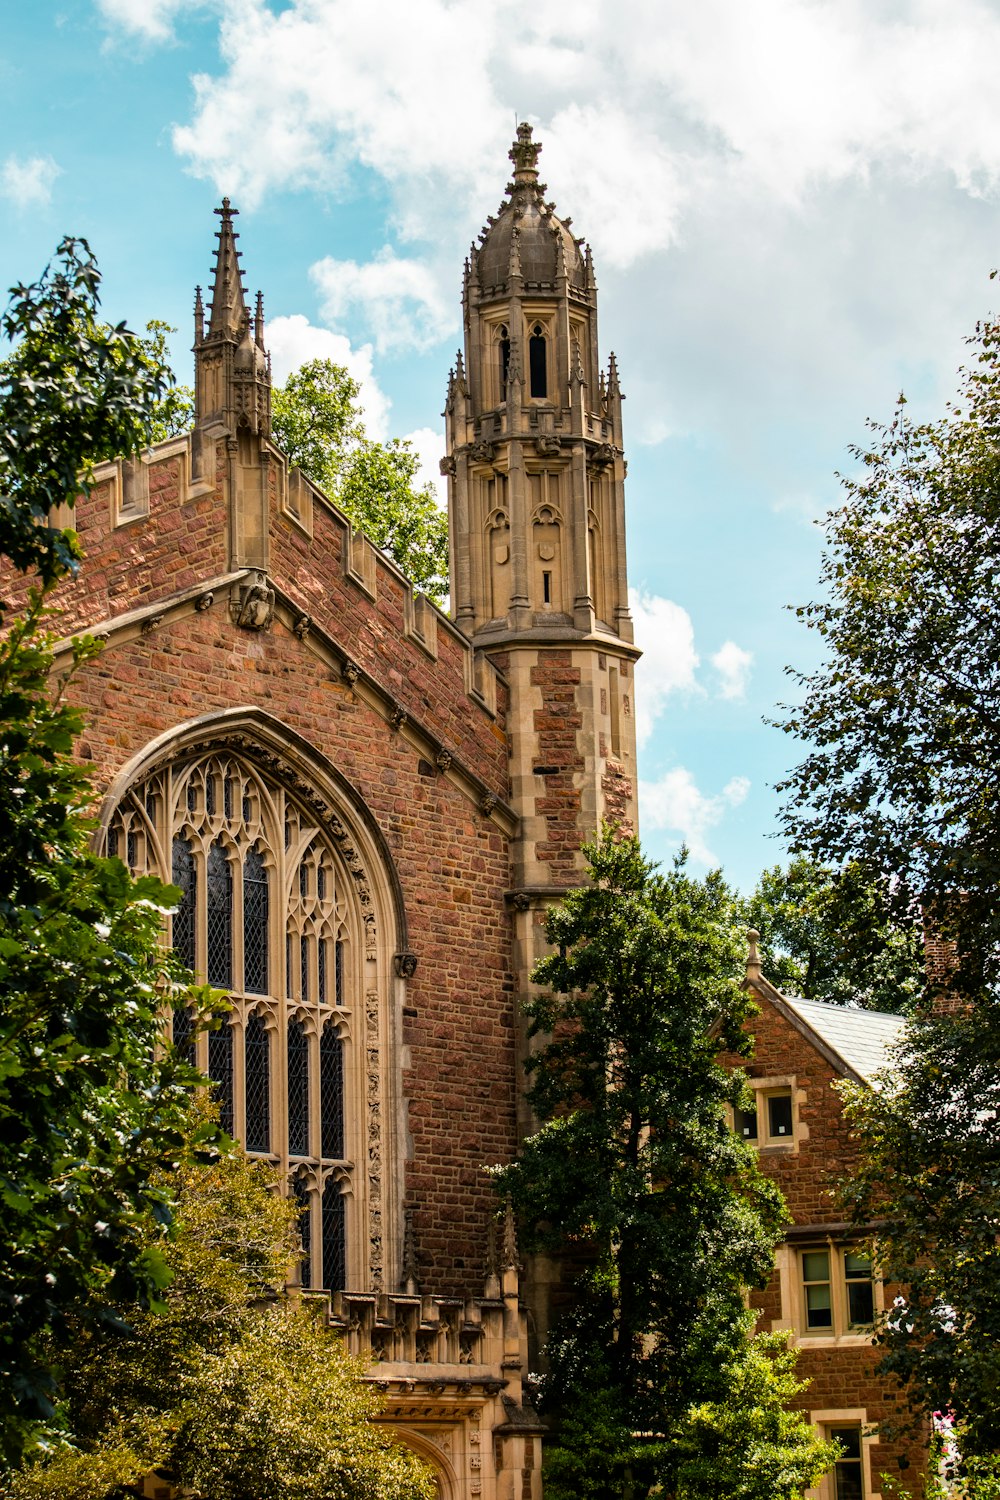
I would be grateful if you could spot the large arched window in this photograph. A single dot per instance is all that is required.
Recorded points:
(271, 913)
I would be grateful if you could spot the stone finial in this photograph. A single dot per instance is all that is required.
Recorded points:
(410, 1283)
(614, 389)
(509, 1237)
(199, 317)
(258, 322)
(514, 264)
(753, 954)
(524, 154)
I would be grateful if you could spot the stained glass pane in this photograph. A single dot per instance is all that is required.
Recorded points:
(227, 797)
(192, 797)
(536, 362)
(183, 876)
(258, 1075)
(220, 918)
(298, 1090)
(288, 965)
(334, 1268)
(184, 1032)
(256, 913)
(112, 843)
(304, 969)
(303, 1198)
(331, 1093)
(338, 958)
(246, 809)
(210, 795)
(321, 948)
(220, 1070)
(303, 880)
(132, 847)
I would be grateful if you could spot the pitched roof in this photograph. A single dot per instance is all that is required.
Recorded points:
(854, 1041)
(863, 1038)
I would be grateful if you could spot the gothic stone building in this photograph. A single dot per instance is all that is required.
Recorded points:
(368, 805)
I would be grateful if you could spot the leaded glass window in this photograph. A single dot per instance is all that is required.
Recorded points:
(184, 877)
(252, 860)
(257, 1055)
(298, 1089)
(256, 913)
(334, 1248)
(220, 918)
(303, 1198)
(331, 1084)
(220, 1070)
(183, 1032)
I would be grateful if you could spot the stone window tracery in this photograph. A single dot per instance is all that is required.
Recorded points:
(272, 914)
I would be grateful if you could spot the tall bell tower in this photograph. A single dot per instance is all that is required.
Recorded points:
(536, 503)
(537, 510)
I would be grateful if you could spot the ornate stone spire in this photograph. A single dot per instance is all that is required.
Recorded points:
(199, 317)
(258, 322)
(228, 315)
(524, 154)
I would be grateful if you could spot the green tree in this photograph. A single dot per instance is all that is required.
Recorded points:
(74, 392)
(928, 1176)
(902, 720)
(91, 1105)
(831, 935)
(231, 1389)
(318, 424)
(635, 1171)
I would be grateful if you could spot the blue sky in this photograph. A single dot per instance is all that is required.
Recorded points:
(793, 212)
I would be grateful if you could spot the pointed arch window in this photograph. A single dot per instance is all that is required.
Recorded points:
(251, 861)
(537, 371)
(256, 913)
(503, 345)
(257, 1058)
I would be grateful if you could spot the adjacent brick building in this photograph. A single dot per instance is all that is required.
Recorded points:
(823, 1293)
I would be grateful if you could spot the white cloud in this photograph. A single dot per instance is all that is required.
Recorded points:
(674, 804)
(733, 666)
(428, 444)
(681, 105)
(397, 299)
(665, 635)
(152, 20)
(293, 340)
(28, 182)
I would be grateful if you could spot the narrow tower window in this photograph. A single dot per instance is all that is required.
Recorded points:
(304, 1200)
(536, 361)
(333, 1237)
(331, 1090)
(220, 1070)
(546, 588)
(504, 361)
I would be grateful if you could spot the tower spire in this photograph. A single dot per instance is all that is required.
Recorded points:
(227, 315)
(524, 154)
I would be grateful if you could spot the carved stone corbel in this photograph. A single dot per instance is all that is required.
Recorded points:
(255, 610)
(405, 965)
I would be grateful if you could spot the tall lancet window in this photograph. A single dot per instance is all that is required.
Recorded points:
(537, 373)
(288, 1057)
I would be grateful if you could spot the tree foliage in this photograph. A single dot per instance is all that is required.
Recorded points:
(831, 935)
(635, 1171)
(319, 425)
(230, 1390)
(92, 1107)
(75, 393)
(929, 1176)
(903, 718)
